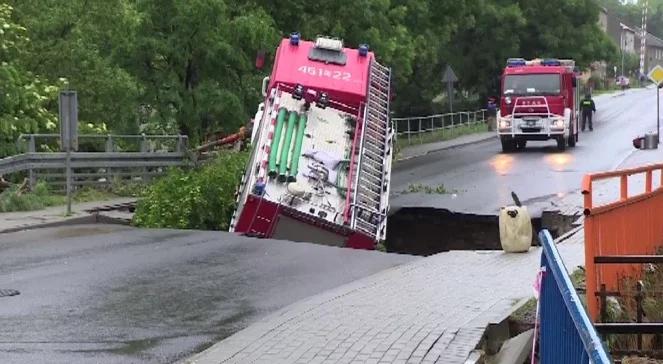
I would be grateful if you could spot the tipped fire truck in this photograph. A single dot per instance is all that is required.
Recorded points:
(322, 144)
(539, 102)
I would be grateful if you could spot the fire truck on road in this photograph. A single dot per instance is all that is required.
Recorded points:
(539, 101)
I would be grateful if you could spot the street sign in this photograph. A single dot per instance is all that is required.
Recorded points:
(450, 77)
(656, 75)
(68, 104)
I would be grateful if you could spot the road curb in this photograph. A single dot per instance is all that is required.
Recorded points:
(445, 148)
(77, 220)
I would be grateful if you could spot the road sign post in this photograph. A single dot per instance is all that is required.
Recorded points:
(449, 78)
(656, 75)
(68, 104)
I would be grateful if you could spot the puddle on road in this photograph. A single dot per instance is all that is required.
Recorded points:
(74, 232)
(135, 346)
(427, 231)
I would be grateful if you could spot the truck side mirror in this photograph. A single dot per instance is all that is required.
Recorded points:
(574, 81)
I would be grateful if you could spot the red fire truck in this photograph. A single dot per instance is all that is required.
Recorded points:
(539, 102)
(322, 148)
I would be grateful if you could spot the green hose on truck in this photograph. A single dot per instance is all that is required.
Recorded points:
(274, 151)
(285, 149)
(297, 153)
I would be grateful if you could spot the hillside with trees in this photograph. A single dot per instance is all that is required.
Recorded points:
(188, 66)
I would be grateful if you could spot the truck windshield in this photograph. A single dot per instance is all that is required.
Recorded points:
(545, 84)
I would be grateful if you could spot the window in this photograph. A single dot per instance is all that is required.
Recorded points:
(541, 84)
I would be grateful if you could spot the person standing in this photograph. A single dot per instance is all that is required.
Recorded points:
(587, 107)
(491, 113)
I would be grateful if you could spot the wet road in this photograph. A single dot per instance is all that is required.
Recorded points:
(111, 294)
(480, 177)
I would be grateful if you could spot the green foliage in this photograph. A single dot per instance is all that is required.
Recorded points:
(12, 200)
(420, 188)
(41, 197)
(168, 66)
(26, 98)
(199, 199)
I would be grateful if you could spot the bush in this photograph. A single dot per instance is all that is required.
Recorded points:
(13, 200)
(200, 199)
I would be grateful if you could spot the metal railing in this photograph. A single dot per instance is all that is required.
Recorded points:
(142, 157)
(629, 223)
(30, 143)
(416, 130)
(567, 334)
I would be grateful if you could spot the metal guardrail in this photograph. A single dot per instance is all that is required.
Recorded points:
(110, 142)
(149, 156)
(567, 334)
(415, 129)
(24, 162)
(98, 168)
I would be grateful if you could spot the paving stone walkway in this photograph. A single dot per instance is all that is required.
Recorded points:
(434, 310)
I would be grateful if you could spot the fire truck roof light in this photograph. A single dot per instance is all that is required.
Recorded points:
(551, 62)
(329, 44)
(363, 50)
(515, 62)
(294, 38)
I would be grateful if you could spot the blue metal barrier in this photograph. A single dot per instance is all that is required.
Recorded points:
(566, 334)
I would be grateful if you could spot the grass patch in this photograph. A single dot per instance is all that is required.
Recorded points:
(440, 135)
(624, 309)
(526, 312)
(420, 188)
(41, 197)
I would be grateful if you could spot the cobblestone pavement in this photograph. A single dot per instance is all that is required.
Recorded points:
(434, 310)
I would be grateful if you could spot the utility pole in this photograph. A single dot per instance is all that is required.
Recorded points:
(643, 38)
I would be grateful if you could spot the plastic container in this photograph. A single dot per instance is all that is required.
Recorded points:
(515, 229)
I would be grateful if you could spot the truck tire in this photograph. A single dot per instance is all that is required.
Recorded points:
(561, 143)
(508, 144)
(521, 144)
(572, 137)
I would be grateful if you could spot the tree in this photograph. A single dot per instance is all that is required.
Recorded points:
(195, 59)
(24, 107)
(82, 41)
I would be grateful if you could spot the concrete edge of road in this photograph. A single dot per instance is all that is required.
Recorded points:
(68, 221)
(449, 146)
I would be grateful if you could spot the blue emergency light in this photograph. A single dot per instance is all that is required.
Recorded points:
(294, 38)
(363, 50)
(551, 62)
(515, 62)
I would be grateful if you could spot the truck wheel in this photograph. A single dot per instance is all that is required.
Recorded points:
(508, 144)
(572, 138)
(561, 143)
(520, 144)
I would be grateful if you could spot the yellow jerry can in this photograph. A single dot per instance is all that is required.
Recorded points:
(515, 229)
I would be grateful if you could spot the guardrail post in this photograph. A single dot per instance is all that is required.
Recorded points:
(144, 148)
(420, 137)
(181, 146)
(110, 147)
(32, 176)
(639, 297)
(409, 142)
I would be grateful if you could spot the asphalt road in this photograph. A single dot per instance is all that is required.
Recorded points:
(480, 178)
(111, 294)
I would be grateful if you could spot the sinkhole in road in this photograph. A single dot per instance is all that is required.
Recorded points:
(427, 231)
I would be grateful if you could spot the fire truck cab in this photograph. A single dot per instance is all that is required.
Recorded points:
(539, 101)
